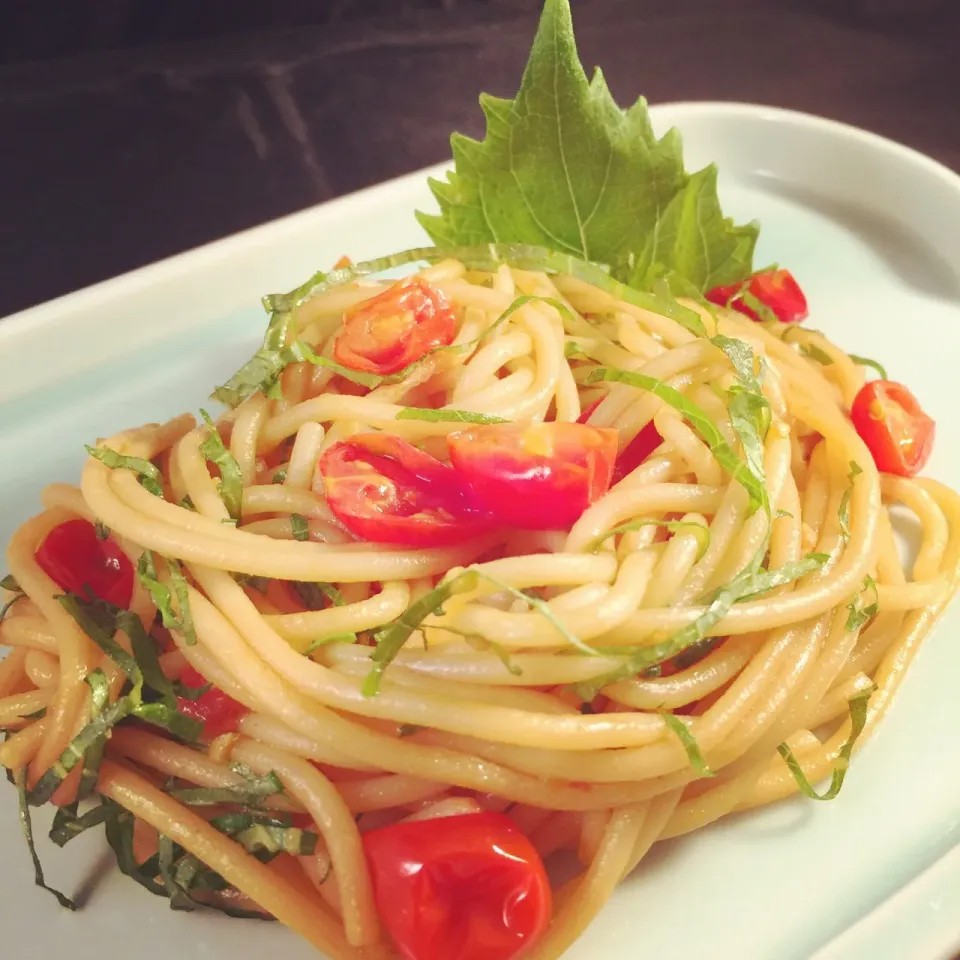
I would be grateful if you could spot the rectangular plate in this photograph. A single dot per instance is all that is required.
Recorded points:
(873, 232)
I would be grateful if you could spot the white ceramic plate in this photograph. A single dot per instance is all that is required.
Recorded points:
(873, 232)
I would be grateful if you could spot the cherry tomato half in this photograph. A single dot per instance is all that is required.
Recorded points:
(384, 489)
(539, 476)
(73, 557)
(777, 290)
(218, 712)
(395, 328)
(894, 427)
(469, 887)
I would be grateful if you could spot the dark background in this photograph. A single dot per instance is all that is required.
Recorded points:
(133, 129)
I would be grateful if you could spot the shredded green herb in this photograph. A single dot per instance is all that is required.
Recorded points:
(859, 613)
(699, 420)
(101, 530)
(231, 480)
(682, 732)
(843, 511)
(251, 793)
(873, 364)
(858, 720)
(9, 584)
(162, 598)
(391, 638)
(448, 416)
(149, 474)
(749, 583)
(20, 778)
(299, 526)
(701, 532)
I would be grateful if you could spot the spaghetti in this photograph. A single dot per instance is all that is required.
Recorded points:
(710, 632)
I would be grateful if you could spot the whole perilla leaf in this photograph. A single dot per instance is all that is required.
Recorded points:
(564, 167)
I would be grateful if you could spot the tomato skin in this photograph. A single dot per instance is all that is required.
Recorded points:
(468, 887)
(777, 290)
(636, 451)
(73, 557)
(395, 328)
(385, 490)
(539, 476)
(894, 427)
(218, 712)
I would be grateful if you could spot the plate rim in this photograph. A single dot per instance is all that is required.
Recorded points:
(909, 903)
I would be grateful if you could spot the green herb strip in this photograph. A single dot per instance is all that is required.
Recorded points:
(231, 480)
(699, 420)
(843, 512)
(299, 527)
(448, 416)
(858, 720)
(20, 778)
(150, 477)
(701, 532)
(682, 732)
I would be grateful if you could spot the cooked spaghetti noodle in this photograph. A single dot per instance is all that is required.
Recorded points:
(482, 704)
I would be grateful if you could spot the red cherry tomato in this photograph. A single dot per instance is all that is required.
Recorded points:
(384, 489)
(217, 712)
(73, 557)
(395, 328)
(539, 476)
(636, 451)
(892, 424)
(469, 887)
(777, 290)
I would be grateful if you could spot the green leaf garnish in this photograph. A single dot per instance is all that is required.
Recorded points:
(265, 837)
(231, 480)
(161, 596)
(747, 584)
(20, 778)
(251, 793)
(873, 364)
(814, 352)
(690, 745)
(101, 530)
(299, 526)
(701, 532)
(67, 825)
(843, 511)
(99, 699)
(858, 720)
(262, 370)
(859, 613)
(447, 416)
(150, 477)
(391, 638)
(280, 476)
(100, 620)
(9, 584)
(564, 167)
(722, 451)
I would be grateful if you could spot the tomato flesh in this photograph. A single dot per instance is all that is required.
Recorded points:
(539, 476)
(384, 489)
(894, 427)
(218, 712)
(73, 557)
(637, 451)
(395, 328)
(777, 290)
(468, 887)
